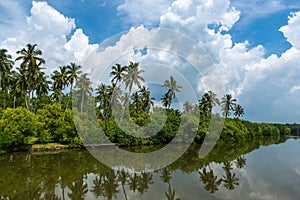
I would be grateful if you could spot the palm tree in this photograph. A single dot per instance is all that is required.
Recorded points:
(84, 88)
(187, 107)
(136, 101)
(117, 73)
(172, 86)
(132, 77)
(72, 72)
(102, 97)
(31, 62)
(146, 99)
(238, 111)
(228, 104)
(6, 65)
(208, 100)
(166, 100)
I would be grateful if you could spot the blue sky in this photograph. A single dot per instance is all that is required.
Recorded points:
(254, 45)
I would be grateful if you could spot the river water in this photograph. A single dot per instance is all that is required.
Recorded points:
(261, 169)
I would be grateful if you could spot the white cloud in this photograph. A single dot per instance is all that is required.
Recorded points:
(292, 29)
(49, 29)
(146, 12)
(294, 88)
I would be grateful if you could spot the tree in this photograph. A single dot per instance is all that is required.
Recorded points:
(238, 111)
(187, 107)
(166, 100)
(72, 72)
(117, 73)
(228, 103)
(85, 89)
(172, 86)
(6, 65)
(208, 100)
(31, 62)
(60, 81)
(146, 100)
(132, 77)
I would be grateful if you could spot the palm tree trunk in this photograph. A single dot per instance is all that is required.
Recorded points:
(124, 191)
(127, 101)
(14, 104)
(70, 95)
(82, 100)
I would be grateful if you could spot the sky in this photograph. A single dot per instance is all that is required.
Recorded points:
(255, 45)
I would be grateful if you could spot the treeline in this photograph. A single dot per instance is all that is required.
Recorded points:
(37, 108)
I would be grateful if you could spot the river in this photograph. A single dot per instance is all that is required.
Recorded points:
(261, 169)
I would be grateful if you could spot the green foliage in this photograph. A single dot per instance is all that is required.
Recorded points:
(18, 127)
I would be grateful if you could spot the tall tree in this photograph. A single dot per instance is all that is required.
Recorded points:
(117, 73)
(60, 81)
(6, 65)
(31, 62)
(85, 89)
(132, 76)
(146, 100)
(228, 103)
(166, 100)
(172, 86)
(72, 72)
(238, 111)
(208, 100)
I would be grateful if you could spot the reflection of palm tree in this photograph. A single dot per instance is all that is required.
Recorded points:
(145, 181)
(34, 194)
(229, 180)
(98, 188)
(165, 175)
(110, 185)
(241, 162)
(51, 196)
(210, 181)
(171, 194)
(133, 182)
(123, 178)
(78, 189)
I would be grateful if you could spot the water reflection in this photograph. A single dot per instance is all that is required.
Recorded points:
(226, 173)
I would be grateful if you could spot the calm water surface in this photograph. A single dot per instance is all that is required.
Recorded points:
(258, 170)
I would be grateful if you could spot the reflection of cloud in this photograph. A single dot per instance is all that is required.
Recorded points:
(297, 171)
(294, 88)
(259, 196)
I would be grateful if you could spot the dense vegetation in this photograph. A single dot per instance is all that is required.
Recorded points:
(37, 108)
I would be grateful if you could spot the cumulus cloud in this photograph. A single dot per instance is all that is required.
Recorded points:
(292, 29)
(49, 29)
(146, 12)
